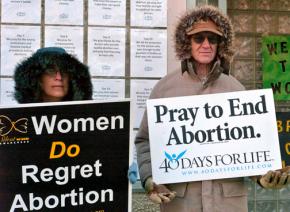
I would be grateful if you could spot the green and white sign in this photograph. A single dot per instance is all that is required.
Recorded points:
(276, 65)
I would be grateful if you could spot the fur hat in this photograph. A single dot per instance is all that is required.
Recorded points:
(28, 72)
(197, 15)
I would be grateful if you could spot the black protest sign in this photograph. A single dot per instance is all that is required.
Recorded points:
(65, 157)
(283, 124)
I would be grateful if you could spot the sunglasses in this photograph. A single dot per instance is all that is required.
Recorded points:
(211, 37)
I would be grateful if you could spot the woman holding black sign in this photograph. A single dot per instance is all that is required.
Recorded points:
(203, 43)
(52, 75)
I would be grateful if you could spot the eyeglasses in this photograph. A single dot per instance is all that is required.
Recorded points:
(211, 37)
(52, 72)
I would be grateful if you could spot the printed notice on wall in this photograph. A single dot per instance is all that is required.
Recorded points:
(148, 53)
(151, 13)
(139, 93)
(17, 43)
(21, 11)
(106, 51)
(108, 89)
(7, 92)
(69, 38)
(110, 12)
(213, 136)
(67, 12)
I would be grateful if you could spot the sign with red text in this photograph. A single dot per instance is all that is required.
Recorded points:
(213, 136)
(276, 65)
(65, 157)
(283, 123)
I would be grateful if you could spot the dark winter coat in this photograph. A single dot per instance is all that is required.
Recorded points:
(28, 72)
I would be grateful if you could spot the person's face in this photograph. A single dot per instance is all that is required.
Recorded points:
(204, 47)
(54, 85)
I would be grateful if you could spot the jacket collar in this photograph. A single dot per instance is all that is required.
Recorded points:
(215, 72)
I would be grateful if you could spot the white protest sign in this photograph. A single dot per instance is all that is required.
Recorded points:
(213, 136)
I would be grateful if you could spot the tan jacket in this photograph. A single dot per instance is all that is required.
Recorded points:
(207, 196)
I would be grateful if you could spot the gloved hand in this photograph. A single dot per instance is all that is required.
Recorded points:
(132, 173)
(158, 193)
(275, 179)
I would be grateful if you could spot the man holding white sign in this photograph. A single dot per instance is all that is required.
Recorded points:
(200, 145)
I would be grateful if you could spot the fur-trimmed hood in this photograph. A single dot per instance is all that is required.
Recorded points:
(28, 72)
(183, 41)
